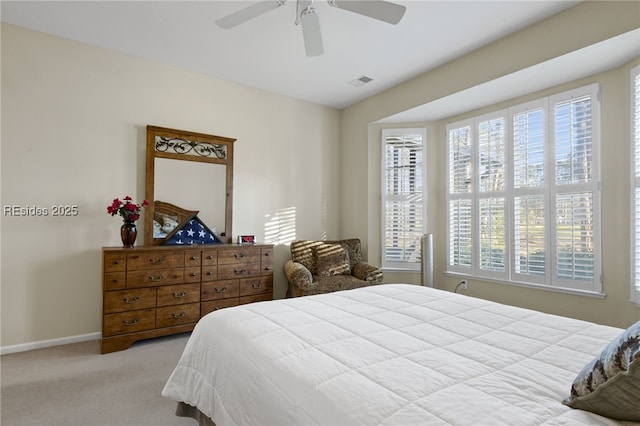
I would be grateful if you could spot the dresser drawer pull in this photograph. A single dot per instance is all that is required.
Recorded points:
(116, 262)
(115, 280)
(179, 295)
(180, 315)
(267, 254)
(210, 257)
(128, 323)
(209, 273)
(256, 286)
(239, 255)
(131, 301)
(220, 290)
(194, 257)
(193, 274)
(158, 260)
(156, 279)
(240, 271)
(267, 268)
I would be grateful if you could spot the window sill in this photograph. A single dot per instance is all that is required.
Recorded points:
(594, 294)
(408, 271)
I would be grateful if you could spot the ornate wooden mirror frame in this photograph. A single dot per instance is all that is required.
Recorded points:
(186, 146)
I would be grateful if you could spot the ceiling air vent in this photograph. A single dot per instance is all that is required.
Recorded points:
(360, 81)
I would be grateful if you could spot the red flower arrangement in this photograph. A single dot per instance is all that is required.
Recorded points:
(126, 208)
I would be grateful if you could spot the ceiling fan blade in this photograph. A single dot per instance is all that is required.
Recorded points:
(311, 32)
(248, 12)
(382, 10)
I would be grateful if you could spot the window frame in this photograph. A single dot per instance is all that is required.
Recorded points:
(403, 265)
(547, 190)
(634, 187)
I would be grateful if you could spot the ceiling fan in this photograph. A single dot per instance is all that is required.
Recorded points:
(308, 17)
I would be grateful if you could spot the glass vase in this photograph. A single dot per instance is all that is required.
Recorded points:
(128, 233)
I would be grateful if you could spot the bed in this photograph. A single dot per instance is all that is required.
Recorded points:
(392, 354)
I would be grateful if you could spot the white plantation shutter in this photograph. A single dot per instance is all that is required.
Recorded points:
(529, 237)
(528, 147)
(491, 234)
(491, 194)
(576, 226)
(460, 160)
(529, 135)
(402, 197)
(459, 197)
(523, 193)
(460, 238)
(635, 185)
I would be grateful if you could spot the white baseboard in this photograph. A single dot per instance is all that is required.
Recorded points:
(23, 347)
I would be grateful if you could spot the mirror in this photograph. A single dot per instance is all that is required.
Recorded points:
(193, 186)
(193, 171)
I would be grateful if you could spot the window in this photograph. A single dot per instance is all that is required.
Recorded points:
(523, 193)
(635, 185)
(403, 207)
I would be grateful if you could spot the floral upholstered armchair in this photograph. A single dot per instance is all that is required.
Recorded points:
(325, 266)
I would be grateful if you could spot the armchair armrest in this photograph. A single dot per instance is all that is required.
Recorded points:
(297, 274)
(367, 272)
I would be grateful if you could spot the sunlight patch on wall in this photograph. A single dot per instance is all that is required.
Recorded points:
(280, 227)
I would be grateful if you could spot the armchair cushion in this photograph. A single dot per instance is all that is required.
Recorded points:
(331, 259)
(353, 248)
(302, 252)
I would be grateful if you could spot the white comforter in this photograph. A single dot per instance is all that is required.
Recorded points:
(393, 354)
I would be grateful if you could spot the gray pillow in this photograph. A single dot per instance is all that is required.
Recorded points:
(610, 384)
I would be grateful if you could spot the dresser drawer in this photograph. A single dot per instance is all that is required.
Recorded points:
(209, 257)
(242, 270)
(154, 260)
(114, 280)
(192, 275)
(192, 259)
(129, 300)
(208, 307)
(155, 277)
(239, 255)
(128, 322)
(176, 315)
(266, 262)
(209, 273)
(220, 289)
(258, 285)
(255, 298)
(178, 294)
(115, 262)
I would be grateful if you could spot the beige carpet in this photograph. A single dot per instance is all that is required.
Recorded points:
(74, 385)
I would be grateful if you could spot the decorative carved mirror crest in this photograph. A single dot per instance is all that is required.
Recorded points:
(172, 144)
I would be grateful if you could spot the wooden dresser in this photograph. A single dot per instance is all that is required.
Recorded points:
(153, 291)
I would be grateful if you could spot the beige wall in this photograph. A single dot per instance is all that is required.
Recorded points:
(73, 133)
(531, 46)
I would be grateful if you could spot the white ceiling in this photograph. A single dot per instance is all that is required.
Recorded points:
(268, 52)
(572, 66)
